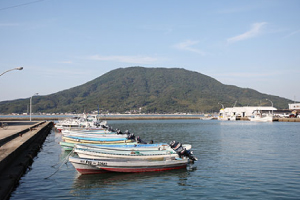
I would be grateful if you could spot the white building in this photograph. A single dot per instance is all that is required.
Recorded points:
(294, 106)
(232, 112)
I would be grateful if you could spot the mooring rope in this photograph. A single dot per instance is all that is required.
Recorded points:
(64, 161)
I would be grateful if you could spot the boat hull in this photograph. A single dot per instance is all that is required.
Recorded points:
(84, 168)
(87, 166)
(261, 119)
(138, 169)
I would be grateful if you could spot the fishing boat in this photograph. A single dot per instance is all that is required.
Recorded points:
(93, 135)
(84, 165)
(94, 138)
(78, 140)
(80, 122)
(177, 150)
(124, 146)
(135, 147)
(69, 146)
(258, 116)
(132, 155)
(88, 131)
(98, 134)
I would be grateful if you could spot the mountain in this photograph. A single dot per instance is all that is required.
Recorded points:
(154, 90)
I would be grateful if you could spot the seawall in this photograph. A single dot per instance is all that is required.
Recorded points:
(19, 144)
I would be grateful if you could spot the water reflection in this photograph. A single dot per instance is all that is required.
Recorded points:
(88, 183)
(237, 160)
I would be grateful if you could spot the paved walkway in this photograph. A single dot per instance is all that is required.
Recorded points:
(13, 137)
(18, 145)
(14, 127)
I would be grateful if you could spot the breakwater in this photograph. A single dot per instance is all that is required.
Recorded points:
(19, 144)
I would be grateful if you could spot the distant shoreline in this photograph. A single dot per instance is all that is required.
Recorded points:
(130, 117)
(55, 118)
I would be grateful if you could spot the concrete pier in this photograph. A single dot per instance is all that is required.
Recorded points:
(19, 144)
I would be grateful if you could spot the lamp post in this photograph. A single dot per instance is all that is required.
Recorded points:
(272, 105)
(31, 103)
(17, 68)
(221, 104)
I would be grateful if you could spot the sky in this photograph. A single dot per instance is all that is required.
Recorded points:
(65, 43)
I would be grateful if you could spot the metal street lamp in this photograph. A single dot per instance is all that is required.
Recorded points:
(221, 104)
(272, 105)
(31, 103)
(17, 68)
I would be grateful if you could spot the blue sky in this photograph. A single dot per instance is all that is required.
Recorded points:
(63, 44)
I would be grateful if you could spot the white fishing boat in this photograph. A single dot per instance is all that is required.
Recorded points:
(97, 135)
(128, 146)
(136, 147)
(69, 146)
(77, 140)
(82, 121)
(176, 150)
(88, 131)
(132, 155)
(131, 158)
(258, 116)
(206, 118)
(84, 165)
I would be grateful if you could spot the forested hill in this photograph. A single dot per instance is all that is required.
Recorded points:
(154, 90)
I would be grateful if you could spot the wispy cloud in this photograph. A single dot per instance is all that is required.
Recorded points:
(65, 62)
(188, 46)
(292, 33)
(125, 59)
(255, 30)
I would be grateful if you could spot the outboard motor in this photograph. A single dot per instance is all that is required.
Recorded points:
(103, 126)
(139, 140)
(111, 129)
(131, 136)
(177, 146)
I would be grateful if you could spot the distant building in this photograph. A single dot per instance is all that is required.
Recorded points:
(294, 106)
(231, 113)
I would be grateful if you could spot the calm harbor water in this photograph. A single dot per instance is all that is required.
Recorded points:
(237, 160)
